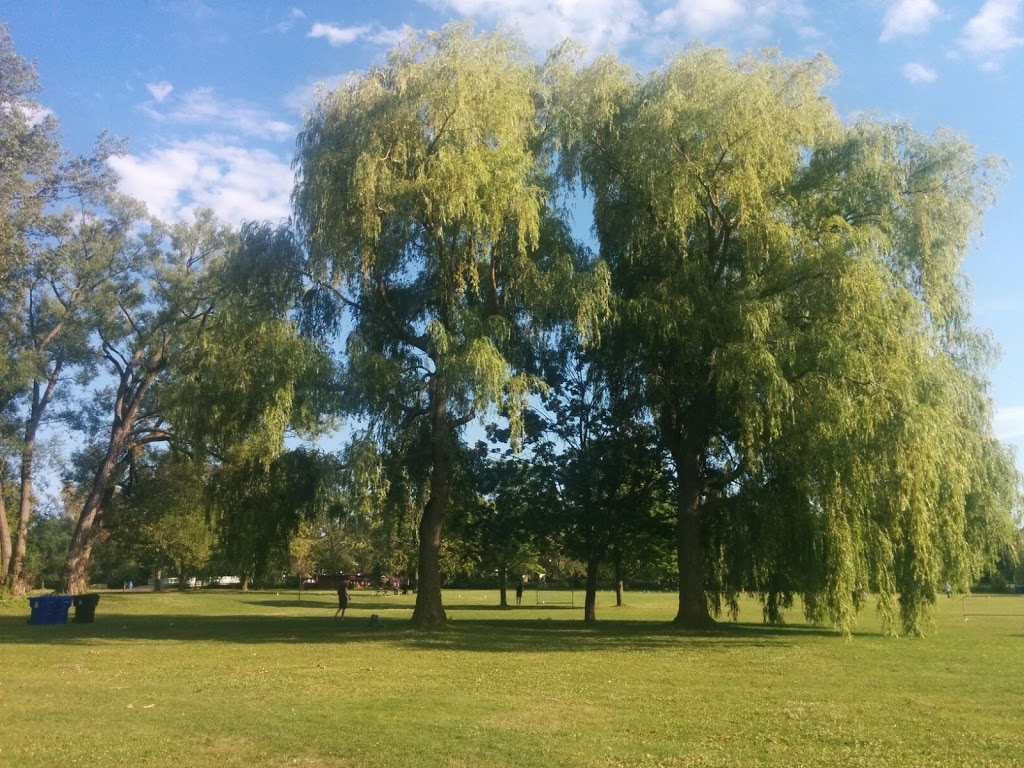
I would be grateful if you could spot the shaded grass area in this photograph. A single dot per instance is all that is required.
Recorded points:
(225, 679)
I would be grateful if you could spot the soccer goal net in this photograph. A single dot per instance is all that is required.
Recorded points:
(555, 594)
(993, 606)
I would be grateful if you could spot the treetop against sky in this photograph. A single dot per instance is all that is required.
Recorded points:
(212, 94)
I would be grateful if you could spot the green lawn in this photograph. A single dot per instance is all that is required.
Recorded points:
(260, 679)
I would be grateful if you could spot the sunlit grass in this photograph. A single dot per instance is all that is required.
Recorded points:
(226, 679)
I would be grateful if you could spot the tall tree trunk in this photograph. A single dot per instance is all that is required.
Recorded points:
(131, 392)
(693, 604)
(243, 584)
(688, 451)
(503, 586)
(590, 601)
(429, 610)
(620, 588)
(5, 532)
(158, 576)
(18, 578)
(76, 578)
(40, 400)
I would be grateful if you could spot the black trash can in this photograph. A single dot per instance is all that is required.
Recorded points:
(85, 608)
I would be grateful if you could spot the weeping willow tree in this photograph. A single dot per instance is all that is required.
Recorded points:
(241, 384)
(793, 288)
(425, 199)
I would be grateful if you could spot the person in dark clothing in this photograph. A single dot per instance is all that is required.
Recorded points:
(519, 592)
(342, 598)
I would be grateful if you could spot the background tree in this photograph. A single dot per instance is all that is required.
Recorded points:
(607, 468)
(58, 257)
(423, 192)
(48, 544)
(260, 507)
(793, 289)
(515, 497)
(169, 293)
(158, 518)
(205, 355)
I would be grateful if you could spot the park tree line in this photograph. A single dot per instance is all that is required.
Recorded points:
(757, 374)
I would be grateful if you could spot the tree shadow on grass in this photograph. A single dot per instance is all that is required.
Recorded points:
(506, 636)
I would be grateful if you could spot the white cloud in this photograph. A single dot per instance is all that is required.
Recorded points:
(294, 15)
(701, 17)
(302, 98)
(992, 33)
(339, 36)
(389, 37)
(610, 25)
(239, 183)
(1009, 423)
(159, 91)
(765, 13)
(202, 106)
(908, 17)
(30, 111)
(600, 25)
(919, 73)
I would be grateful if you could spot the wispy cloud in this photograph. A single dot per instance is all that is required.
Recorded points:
(990, 35)
(294, 16)
(908, 17)
(202, 107)
(701, 17)
(612, 25)
(1009, 422)
(304, 97)
(998, 306)
(30, 111)
(338, 36)
(915, 72)
(600, 25)
(239, 183)
(766, 15)
(159, 91)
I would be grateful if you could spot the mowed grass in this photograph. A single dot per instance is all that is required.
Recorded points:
(261, 679)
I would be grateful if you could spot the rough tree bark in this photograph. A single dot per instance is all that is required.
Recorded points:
(130, 395)
(688, 449)
(503, 586)
(590, 601)
(5, 534)
(17, 580)
(429, 610)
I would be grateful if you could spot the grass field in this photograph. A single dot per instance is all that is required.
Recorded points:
(261, 679)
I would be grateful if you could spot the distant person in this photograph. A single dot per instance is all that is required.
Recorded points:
(949, 590)
(519, 593)
(395, 584)
(342, 598)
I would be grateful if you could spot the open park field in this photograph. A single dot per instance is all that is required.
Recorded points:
(262, 679)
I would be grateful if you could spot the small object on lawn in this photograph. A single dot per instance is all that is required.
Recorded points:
(375, 621)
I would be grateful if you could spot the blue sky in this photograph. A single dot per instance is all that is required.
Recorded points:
(211, 94)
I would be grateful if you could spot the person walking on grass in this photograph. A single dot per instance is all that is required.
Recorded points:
(519, 593)
(342, 597)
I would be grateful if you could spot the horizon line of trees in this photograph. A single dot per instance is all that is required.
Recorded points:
(764, 379)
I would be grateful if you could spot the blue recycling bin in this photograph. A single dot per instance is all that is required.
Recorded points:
(49, 609)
